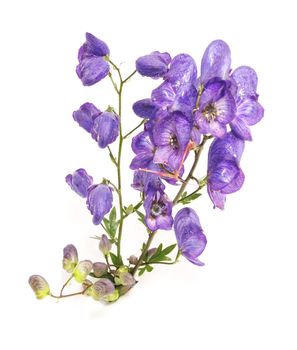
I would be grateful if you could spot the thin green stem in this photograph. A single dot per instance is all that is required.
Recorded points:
(107, 263)
(113, 83)
(65, 284)
(144, 251)
(130, 76)
(130, 132)
(70, 295)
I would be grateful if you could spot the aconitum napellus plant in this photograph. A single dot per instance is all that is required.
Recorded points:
(189, 107)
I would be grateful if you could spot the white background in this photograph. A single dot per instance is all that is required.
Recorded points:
(245, 296)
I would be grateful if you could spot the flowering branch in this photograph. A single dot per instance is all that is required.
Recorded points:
(181, 115)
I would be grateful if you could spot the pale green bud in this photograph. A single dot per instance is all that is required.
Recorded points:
(82, 270)
(40, 286)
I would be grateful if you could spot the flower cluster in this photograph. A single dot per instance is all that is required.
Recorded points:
(189, 107)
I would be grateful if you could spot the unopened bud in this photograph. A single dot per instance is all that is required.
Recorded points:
(40, 286)
(99, 269)
(133, 260)
(112, 297)
(82, 270)
(101, 289)
(70, 258)
(123, 277)
(105, 245)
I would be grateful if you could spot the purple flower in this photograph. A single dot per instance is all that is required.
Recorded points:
(216, 108)
(190, 238)
(106, 129)
(142, 180)
(86, 115)
(79, 182)
(224, 173)
(158, 209)
(99, 201)
(216, 61)
(144, 149)
(249, 111)
(145, 108)
(178, 92)
(154, 65)
(92, 66)
(171, 137)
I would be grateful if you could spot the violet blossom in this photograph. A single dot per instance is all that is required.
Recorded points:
(99, 201)
(79, 182)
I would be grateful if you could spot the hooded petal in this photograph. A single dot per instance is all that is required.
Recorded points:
(223, 174)
(246, 80)
(240, 128)
(79, 182)
(145, 108)
(154, 65)
(99, 201)
(250, 110)
(189, 234)
(86, 115)
(106, 129)
(96, 46)
(183, 70)
(216, 61)
(164, 95)
(234, 185)
(92, 69)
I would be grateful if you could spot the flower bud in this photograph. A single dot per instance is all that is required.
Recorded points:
(86, 285)
(133, 260)
(101, 289)
(82, 270)
(123, 277)
(70, 258)
(40, 286)
(104, 245)
(112, 297)
(99, 269)
(151, 252)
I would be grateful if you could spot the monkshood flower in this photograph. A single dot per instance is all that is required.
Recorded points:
(39, 286)
(99, 201)
(154, 65)
(178, 92)
(105, 245)
(86, 115)
(171, 137)
(99, 269)
(142, 145)
(145, 108)
(216, 108)
(190, 238)
(70, 258)
(106, 129)
(92, 65)
(79, 182)
(224, 173)
(101, 289)
(249, 111)
(82, 270)
(158, 209)
(216, 61)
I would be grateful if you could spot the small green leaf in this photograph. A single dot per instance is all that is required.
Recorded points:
(141, 217)
(129, 210)
(169, 249)
(161, 254)
(115, 260)
(149, 268)
(141, 271)
(189, 199)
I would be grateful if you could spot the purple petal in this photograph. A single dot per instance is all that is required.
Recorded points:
(106, 129)
(92, 69)
(216, 61)
(142, 143)
(182, 71)
(212, 127)
(223, 174)
(217, 198)
(99, 202)
(162, 154)
(225, 109)
(79, 182)
(164, 95)
(250, 110)
(154, 65)
(145, 108)
(86, 115)
(214, 90)
(196, 135)
(236, 184)
(246, 80)
(240, 128)
(96, 46)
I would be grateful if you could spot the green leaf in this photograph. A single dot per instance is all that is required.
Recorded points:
(115, 260)
(141, 271)
(149, 268)
(161, 254)
(189, 199)
(141, 217)
(129, 210)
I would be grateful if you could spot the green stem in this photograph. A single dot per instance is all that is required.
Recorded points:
(130, 76)
(135, 207)
(65, 284)
(70, 295)
(130, 132)
(144, 251)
